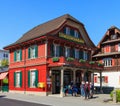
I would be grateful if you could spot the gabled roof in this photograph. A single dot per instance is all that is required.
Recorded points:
(106, 34)
(50, 26)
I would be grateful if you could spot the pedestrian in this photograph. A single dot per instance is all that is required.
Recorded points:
(82, 89)
(87, 90)
(91, 90)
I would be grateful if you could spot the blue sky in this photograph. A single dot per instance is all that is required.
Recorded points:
(19, 16)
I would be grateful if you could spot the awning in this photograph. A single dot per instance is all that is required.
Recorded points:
(3, 75)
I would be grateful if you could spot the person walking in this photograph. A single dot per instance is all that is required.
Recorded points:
(87, 90)
(82, 89)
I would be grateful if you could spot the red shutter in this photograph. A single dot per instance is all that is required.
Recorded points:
(113, 62)
(116, 48)
(95, 79)
(106, 79)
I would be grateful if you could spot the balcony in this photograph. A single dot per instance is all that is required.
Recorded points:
(71, 62)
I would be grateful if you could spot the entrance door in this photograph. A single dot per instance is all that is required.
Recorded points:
(55, 82)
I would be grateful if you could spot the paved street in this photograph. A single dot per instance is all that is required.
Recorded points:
(11, 102)
(58, 101)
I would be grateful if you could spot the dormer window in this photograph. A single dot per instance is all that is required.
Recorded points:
(76, 33)
(113, 36)
(67, 30)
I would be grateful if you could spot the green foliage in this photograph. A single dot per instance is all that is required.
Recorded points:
(5, 81)
(70, 59)
(4, 63)
(117, 94)
(100, 64)
(91, 62)
(82, 61)
(55, 59)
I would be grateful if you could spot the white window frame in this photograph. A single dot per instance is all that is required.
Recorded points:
(107, 62)
(32, 52)
(17, 79)
(76, 33)
(67, 31)
(32, 78)
(56, 50)
(118, 47)
(67, 51)
(77, 54)
(85, 57)
(17, 55)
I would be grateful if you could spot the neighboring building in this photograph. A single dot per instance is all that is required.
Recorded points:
(46, 58)
(108, 53)
(4, 55)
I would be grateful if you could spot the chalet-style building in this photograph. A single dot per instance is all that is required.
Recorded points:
(50, 56)
(108, 53)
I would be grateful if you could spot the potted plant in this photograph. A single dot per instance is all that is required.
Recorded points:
(91, 62)
(82, 61)
(70, 59)
(55, 59)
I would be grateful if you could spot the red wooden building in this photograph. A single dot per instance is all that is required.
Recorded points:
(50, 56)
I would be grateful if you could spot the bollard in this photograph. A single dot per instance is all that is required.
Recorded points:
(114, 96)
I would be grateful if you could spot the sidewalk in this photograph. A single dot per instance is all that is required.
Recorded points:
(58, 101)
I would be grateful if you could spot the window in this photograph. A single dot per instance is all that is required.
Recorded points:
(17, 79)
(118, 47)
(32, 78)
(85, 55)
(113, 37)
(76, 53)
(67, 52)
(56, 50)
(76, 34)
(67, 30)
(18, 55)
(33, 52)
(107, 62)
(104, 79)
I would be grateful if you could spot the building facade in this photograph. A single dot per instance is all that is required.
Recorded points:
(50, 56)
(108, 53)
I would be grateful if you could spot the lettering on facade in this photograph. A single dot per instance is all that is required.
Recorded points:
(62, 35)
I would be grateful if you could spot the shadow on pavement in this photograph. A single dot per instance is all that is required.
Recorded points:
(2, 96)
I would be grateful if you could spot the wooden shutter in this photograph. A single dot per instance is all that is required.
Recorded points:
(52, 50)
(113, 62)
(20, 79)
(95, 79)
(29, 53)
(116, 47)
(36, 51)
(61, 50)
(20, 54)
(81, 54)
(15, 79)
(72, 32)
(28, 78)
(14, 55)
(36, 78)
(64, 30)
(106, 79)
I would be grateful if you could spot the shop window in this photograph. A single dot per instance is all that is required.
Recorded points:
(18, 55)
(33, 52)
(32, 78)
(17, 79)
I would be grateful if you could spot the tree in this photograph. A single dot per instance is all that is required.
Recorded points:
(4, 63)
